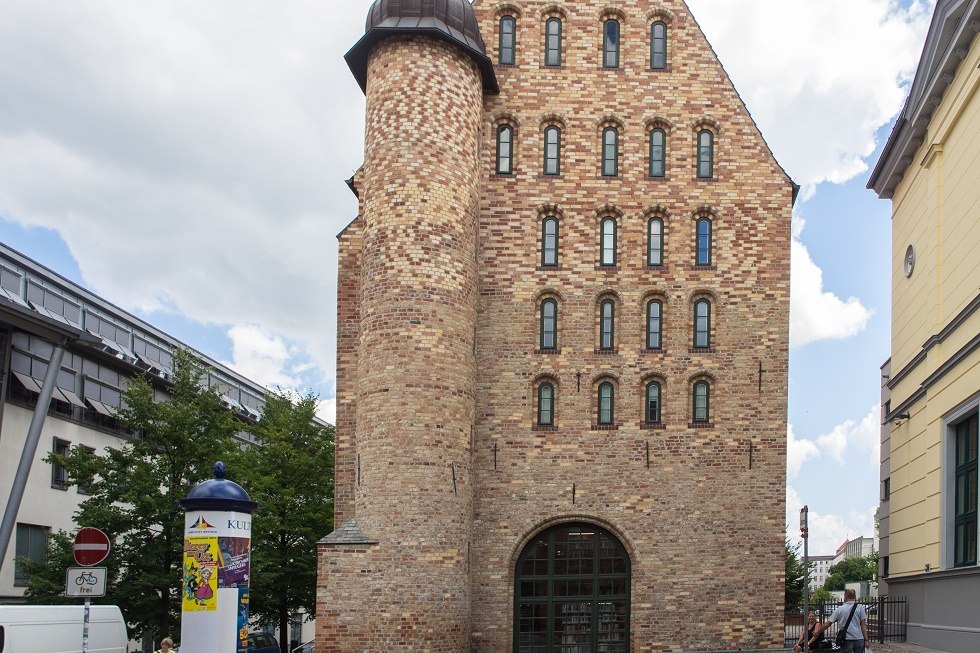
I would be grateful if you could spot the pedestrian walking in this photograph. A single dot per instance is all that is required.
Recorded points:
(852, 624)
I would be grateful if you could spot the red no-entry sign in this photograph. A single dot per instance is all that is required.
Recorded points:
(91, 547)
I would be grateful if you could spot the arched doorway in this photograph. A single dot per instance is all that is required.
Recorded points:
(572, 592)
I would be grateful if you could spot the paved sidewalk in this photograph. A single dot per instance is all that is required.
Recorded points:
(901, 647)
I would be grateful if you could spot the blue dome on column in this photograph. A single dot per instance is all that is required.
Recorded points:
(218, 494)
(449, 20)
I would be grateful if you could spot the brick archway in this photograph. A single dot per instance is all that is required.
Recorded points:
(572, 592)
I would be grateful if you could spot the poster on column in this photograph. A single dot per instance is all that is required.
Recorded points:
(242, 620)
(201, 564)
(234, 563)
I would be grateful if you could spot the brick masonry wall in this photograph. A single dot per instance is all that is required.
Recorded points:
(699, 509)
(348, 335)
(704, 530)
(415, 366)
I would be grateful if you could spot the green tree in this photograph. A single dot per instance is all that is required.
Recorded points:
(46, 584)
(821, 596)
(290, 475)
(794, 577)
(134, 491)
(852, 570)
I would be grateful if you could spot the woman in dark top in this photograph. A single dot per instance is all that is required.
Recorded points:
(815, 640)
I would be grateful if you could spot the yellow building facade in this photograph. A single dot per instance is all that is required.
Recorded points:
(930, 169)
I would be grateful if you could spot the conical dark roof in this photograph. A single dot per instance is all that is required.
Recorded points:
(218, 494)
(450, 20)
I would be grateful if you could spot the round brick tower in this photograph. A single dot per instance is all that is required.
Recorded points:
(423, 66)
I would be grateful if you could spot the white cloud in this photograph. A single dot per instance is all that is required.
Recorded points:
(820, 78)
(262, 357)
(269, 360)
(844, 441)
(851, 438)
(327, 410)
(815, 313)
(797, 453)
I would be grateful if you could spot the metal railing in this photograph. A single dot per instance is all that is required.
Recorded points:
(888, 619)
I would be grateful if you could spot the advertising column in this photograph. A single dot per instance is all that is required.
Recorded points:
(217, 537)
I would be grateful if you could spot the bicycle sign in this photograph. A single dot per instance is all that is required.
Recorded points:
(85, 581)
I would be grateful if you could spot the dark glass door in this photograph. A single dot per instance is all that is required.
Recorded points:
(572, 592)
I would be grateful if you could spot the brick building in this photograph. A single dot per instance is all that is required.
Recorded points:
(563, 321)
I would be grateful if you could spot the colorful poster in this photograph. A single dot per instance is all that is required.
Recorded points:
(234, 567)
(242, 620)
(201, 559)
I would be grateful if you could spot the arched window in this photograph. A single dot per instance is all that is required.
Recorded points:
(658, 153)
(552, 150)
(703, 256)
(702, 405)
(610, 152)
(655, 324)
(508, 40)
(655, 242)
(546, 404)
(658, 45)
(652, 415)
(549, 241)
(606, 405)
(552, 42)
(607, 324)
(549, 324)
(607, 254)
(610, 44)
(706, 154)
(702, 324)
(572, 590)
(505, 144)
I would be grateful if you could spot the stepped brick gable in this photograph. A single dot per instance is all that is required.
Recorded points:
(563, 316)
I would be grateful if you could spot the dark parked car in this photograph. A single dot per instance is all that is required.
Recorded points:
(262, 643)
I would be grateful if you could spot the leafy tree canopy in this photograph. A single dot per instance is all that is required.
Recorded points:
(794, 577)
(821, 596)
(290, 475)
(852, 570)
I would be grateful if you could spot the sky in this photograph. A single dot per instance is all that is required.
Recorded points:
(185, 160)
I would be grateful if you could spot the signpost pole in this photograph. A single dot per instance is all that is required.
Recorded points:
(804, 532)
(88, 606)
(91, 547)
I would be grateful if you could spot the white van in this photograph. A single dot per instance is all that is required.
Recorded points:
(58, 629)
